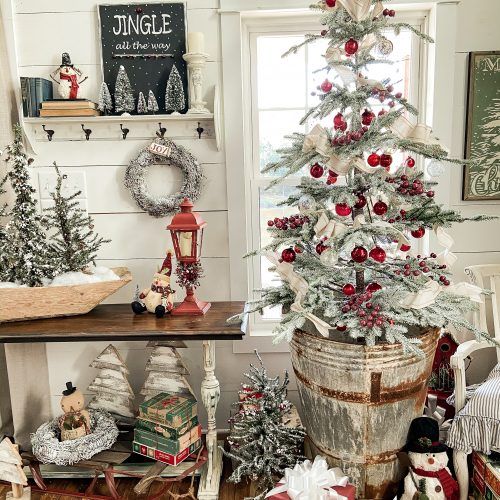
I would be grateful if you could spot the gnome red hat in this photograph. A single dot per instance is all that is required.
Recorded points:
(166, 267)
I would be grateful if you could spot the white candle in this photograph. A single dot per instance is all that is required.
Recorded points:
(196, 42)
(185, 244)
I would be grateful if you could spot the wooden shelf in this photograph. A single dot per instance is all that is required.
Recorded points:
(118, 322)
(119, 119)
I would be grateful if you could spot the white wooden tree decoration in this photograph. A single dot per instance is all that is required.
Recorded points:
(11, 470)
(166, 373)
(111, 386)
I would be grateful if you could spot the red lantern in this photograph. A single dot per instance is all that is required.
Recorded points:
(186, 229)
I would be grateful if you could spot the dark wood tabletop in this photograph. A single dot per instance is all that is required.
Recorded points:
(118, 322)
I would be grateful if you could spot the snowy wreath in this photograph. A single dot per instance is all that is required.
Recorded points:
(49, 450)
(177, 156)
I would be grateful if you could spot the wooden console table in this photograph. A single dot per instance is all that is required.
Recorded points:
(117, 322)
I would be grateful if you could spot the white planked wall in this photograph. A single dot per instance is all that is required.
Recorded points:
(45, 28)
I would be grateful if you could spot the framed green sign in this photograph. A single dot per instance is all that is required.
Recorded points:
(482, 144)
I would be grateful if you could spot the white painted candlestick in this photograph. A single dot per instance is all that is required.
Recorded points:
(196, 62)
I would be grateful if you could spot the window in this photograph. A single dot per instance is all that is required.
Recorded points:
(281, 91)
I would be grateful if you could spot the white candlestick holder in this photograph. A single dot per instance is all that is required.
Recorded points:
(196, 62)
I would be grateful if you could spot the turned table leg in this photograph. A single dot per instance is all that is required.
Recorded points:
(210, 394)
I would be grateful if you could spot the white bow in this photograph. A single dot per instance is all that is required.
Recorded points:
(285, 271)
(420, 132)
(445, 240)
(317, 139)
(311, 481)
(328, 227)
(357, 9)
(322, 326)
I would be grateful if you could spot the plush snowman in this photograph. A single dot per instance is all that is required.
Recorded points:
(429, 477)
(70, 78)
(75, 422)
(158, 298)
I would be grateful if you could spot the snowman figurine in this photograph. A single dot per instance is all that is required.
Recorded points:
(158, 298)
(70, 78)
(75, 422)
(429, 477)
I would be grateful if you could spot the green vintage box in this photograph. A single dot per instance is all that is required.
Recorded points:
(172, 446)
(165, 430)
(170, 409)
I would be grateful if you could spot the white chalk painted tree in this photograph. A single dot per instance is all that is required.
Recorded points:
(11, 470)
(111, 386)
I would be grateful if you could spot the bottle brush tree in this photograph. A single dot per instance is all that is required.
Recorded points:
(174, 94)
(349, 259)
(124, 95)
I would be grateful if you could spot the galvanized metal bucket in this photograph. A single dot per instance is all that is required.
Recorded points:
(358, 402)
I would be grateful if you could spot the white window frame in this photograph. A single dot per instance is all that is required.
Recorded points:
(237, 18)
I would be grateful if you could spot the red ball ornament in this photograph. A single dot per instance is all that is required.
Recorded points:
(348, 289)
(338, 121)
(288, 255)
(373, 287)
(326, 86)
(367, 117)
(351, 47)
(341, 328)
(361, 202)
(405, 248)
(359, 254)
(385, 160)
(317, 171)
(373, 160)
(343, 209)
(320, 248)
(330, 3)
(378, 254)
(382, 112)
(392, 13)
(418, 233)
(410, 162)
(380, 208)
(385, 12)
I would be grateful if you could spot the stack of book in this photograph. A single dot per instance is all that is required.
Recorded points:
(167, 429)
(68, 107)
(34, 90)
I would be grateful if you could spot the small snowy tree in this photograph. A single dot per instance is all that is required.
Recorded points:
(174, 95)
(124, 96)
(152, 104)
(26, 255)
(141, 104)
(105, 103)
(166, 373)
(261, 442)
(74, 245)
(111, 386)
(3, 233)
(11, 468)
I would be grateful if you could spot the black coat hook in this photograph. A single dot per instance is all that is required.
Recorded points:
(161, 131)
(87, 132)
(200, 130)
(49, 132)
(125, 131)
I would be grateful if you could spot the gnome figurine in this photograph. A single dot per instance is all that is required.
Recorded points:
(75, 422)
(158, 298)
(70, 78)
(429, 477)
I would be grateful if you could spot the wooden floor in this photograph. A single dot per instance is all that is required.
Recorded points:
(228, 491)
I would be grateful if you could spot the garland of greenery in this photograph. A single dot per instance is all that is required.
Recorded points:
(161, 206)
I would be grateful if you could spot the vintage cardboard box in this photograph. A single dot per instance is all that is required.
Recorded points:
(172, 410)
(172, 446)
(165, 430)
(492, 480)
(166, 457)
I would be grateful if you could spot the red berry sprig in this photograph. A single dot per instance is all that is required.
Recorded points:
(415, 267)
(369, 314)
(348, 137)
(410, 187)
(291, 222)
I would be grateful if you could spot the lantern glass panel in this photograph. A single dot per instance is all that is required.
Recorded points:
(186, 243)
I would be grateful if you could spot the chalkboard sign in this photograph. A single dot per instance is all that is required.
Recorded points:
(148, 40)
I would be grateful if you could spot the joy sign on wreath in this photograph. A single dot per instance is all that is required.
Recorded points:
(167, 153)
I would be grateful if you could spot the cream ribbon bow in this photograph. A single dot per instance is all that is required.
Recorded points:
(445, 240)
(357, 9)
(311, 481)
(328, 227)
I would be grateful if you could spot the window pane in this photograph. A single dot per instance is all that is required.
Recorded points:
(281, 81)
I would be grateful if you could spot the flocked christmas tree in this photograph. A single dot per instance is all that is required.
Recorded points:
(142, 107)
(262, 443)
(348, 259)
(25, 257)
(3, 233)
(111, 386)
(104, 102)
(174, 95)
(152, 104)
(74, 244)
(124, 95)
(166, 372)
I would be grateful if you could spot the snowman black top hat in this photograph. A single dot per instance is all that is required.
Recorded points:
(423, 436)
(70, 389)
(66, 60)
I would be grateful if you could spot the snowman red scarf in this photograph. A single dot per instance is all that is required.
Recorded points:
(73, 79)
(450, 486)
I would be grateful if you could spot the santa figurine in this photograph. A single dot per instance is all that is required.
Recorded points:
(429, 477)
(70, 78)
(158, 298)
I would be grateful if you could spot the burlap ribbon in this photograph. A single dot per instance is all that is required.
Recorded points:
(405, 129)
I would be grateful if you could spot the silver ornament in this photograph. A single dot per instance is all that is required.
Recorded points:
(436, 168)
(385, 47)
(306, 203)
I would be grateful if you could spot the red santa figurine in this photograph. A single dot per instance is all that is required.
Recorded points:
(70, 78)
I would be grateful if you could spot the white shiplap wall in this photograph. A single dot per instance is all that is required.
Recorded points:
(44, 29)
